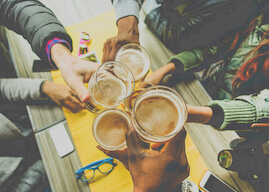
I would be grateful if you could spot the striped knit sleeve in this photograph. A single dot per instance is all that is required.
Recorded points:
(235, 112)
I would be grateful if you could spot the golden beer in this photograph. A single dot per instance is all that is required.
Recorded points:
(109, 86)
(136, 58)
(109, 128)
(159, 113)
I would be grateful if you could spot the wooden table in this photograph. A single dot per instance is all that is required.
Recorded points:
(60, 171)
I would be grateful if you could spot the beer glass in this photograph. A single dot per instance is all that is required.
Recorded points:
(136, 58)
(159, 113)
(109, 128)
(139, 87)
(109, 86)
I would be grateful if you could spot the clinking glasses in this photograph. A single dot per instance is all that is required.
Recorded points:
(104, 166)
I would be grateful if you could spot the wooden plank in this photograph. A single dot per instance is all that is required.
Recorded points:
(60, 171)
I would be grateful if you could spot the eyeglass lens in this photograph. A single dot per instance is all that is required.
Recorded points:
(103, 168)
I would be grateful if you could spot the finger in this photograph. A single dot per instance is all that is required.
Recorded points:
(74, 107)
(75, 101)
(76, 83)
(157, 146)
(83, 93)
(106, 49)
(176, 144)
(133, 141)
(68, 107)
(120, 155)
(112, 53)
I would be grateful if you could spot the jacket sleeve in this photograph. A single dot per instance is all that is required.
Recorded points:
(244, 109)
(192, 59)
(20, 90)
(35, 22)
(124, 8)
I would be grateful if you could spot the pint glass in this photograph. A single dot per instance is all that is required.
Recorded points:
(136, 58)
(139, 87)
(109, 86)
(159, 113)
(109, 128)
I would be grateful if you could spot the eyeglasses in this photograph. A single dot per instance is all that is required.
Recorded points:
(104, 166)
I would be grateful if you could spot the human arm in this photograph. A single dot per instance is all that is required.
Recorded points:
(232, 114)
(155, 170)
(74, 71)
(24, 90)
(39, 26)
(184, 62)
(35, 22)
(127, 15)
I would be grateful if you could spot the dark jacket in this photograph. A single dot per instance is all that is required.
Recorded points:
(34, 22)
(20, 169)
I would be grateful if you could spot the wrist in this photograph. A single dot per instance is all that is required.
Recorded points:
(60, 54)
(199, 114)
(170, 68)
(128, 24)
(46, 88)
(137, 189)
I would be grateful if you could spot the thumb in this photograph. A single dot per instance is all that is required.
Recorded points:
(81, 91)
(132, 140)
(84, 95)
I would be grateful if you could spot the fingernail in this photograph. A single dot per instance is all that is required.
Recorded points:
(84, 96)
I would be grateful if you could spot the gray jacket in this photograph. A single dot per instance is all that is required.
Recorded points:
(16, 91)
(35, 22)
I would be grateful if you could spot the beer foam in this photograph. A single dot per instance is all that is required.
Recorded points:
(159, 113)
(113, 91)
(136, 61)
(110, 128)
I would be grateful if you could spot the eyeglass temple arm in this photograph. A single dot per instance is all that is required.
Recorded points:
(92, 164)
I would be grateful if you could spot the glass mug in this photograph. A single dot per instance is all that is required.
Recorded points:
(136, 58)
(109, 86)
(109, 128)
(159, 113)
(139, 87)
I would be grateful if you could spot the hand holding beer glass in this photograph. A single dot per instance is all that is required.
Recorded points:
(136, 58)
(139, 87)
(109, 86)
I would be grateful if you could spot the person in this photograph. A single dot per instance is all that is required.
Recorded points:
(243, 97)
(19, 156)
(161, 168)
(182, 24)
(20, 165)
(49, 40)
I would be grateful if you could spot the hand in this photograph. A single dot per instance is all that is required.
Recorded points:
(63, 96)
(157, 76)
(159, 169)
(74, 71)
(127, 33)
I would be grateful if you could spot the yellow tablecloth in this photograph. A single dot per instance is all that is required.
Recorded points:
(119, 180)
